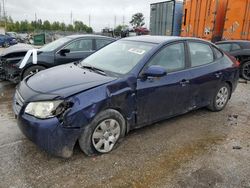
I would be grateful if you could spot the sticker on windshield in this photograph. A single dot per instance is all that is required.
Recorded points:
(136, 51)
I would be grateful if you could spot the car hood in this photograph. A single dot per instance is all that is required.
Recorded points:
(66, 80)
(16, 48)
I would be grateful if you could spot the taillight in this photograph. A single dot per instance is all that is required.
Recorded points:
(237, 63)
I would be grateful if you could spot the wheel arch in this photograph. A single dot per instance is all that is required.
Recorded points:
(230, 87)
(123, 114)
(31, 65)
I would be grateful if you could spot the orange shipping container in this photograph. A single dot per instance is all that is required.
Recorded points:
(204, 19)
(237, 23)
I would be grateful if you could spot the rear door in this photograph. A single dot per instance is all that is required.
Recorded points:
(79, 49)
(159, 98)
(206, 72)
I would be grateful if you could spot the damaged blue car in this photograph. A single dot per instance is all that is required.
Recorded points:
(126, 85)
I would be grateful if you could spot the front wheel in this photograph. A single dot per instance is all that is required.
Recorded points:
(32, 70)
(103, 133)
(221, 98)
(245, 70)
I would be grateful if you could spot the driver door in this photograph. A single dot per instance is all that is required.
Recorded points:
(160, 98)
(79, 49)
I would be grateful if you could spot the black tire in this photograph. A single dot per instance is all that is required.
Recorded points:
(32, 70)
(6, 44)
(245, 70)
(86, 138)
(214, 106)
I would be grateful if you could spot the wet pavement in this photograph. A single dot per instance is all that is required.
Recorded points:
(200, 149)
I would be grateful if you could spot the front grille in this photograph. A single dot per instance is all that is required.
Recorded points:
(18, 103)
(2, 72)
(1, 64)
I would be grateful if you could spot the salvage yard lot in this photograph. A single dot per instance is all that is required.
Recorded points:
(193, 150)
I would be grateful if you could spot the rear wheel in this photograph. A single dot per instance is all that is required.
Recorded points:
(245, 70)
(103, 133)
(220, 98)
(32, 70)
(6, 44)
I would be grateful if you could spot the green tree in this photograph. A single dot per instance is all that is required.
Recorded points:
(55, 26)
(89, 30)
(137, 20)
(17, 26)
(46, 25)
(24, 26)
(62, 26)
(70, 27)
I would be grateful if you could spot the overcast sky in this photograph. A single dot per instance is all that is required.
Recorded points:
(102, 12)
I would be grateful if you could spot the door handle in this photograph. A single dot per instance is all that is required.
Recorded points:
(218, 74)
(184, 82)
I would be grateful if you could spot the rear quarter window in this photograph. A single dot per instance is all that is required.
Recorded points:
(225, 47)
(218, 53)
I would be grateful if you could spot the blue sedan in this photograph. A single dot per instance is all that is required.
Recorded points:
(6, 40)
(126, 85)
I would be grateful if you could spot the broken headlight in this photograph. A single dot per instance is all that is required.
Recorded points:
(46, 109)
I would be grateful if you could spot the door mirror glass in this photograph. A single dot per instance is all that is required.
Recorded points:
(155, 71)
(63, 52)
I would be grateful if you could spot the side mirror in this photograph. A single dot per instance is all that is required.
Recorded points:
(63, 52)
(154, 71)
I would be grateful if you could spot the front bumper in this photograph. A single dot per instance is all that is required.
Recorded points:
(9, 71)
(49, 134)
(2, 71)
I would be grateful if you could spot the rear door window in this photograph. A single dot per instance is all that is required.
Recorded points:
(225, 47)
(101, 43)
(82, 45)
(235, 47)
(200, 54)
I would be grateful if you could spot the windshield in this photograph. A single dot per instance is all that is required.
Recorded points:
(119, 57)
(55, 44)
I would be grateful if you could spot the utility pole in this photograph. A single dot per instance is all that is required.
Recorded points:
(35, 21)
(0, 11)
(89, 20)
(123, 20)
(4, 14)
(71, 18)
(115, 22)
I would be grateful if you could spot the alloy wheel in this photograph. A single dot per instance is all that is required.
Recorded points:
(222, 97)
(106, 135)
(34, 72)
(246, 70)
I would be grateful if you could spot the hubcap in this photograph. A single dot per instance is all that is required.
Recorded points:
(34, 71)
(246, 70)
(106, 135)
(222, 97)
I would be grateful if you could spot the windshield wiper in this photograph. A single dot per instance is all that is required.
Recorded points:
(97, 70)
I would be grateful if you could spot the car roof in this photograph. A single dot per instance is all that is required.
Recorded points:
(89, 35)
(243, 43)
(233, 41)
(160, 39)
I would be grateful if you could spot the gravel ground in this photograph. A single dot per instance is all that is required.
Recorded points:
(200, 149)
